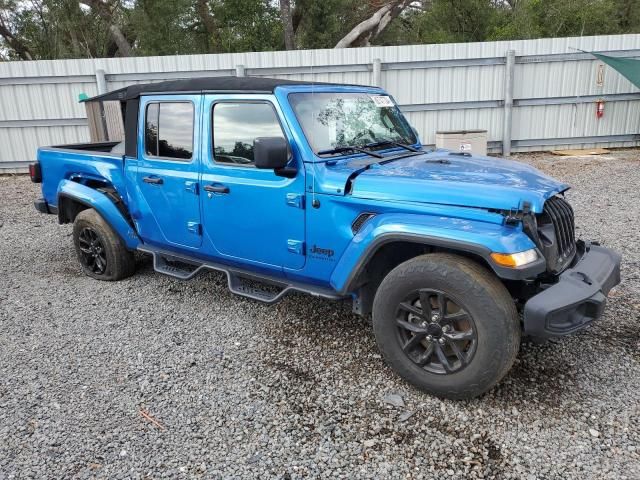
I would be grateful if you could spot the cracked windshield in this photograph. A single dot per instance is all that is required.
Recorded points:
(334, 120)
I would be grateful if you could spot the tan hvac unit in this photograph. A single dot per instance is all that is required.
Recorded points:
(471, 141)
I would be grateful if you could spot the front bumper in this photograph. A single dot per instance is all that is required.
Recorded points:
(579, 296)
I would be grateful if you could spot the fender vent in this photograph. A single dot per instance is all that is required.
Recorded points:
(360, 220)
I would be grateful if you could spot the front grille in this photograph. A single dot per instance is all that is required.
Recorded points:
(561, 215)
(556, 230)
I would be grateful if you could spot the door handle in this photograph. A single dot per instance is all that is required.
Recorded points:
(153, 180)
(216, 188)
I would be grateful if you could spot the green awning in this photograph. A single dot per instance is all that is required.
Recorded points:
(627, 67)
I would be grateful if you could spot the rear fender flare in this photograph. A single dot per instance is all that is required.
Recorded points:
(103, 205)
(469, 236)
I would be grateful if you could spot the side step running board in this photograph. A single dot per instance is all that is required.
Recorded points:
(243, 283)
(174, 266)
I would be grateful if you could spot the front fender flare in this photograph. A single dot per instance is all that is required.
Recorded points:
(470, 236)
(103, 205)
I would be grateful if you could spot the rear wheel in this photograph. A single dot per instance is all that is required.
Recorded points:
(101, 252)
(446, 325)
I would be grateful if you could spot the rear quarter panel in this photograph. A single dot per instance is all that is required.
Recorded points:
(69, 173)
(59, 164)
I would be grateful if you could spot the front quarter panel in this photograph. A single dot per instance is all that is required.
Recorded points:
(476, 237)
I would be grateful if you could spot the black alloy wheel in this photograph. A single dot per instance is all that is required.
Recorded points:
(435, 332)
(92, 252)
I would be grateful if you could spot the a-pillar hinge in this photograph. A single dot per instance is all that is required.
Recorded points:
(194, 227)
(295, 246)
(295, 200)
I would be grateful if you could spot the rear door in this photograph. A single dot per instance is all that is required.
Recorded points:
(250, 214)
(168, 168)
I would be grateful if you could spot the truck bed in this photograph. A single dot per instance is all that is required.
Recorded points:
(106, 147)
(80, 162)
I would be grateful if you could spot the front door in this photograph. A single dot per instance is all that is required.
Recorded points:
(168, 166)
(250, 214)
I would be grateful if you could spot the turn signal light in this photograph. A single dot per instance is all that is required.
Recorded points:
(513, 260)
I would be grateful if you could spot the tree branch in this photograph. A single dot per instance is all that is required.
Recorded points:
(367, 30)
(14, 42)
(287, 23)
(209, 22)
(103, 11)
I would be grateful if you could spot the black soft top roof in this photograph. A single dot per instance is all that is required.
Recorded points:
(202, 84)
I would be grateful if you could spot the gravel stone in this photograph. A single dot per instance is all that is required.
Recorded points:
(394, 399)
(406, 415)
(299, 383)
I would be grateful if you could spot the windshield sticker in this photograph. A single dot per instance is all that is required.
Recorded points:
(382, 101)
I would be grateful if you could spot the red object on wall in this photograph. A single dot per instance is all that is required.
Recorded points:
(599, 108)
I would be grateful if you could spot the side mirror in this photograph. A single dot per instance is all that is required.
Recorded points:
(270, 152)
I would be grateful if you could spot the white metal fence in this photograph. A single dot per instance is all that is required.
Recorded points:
(528, 94)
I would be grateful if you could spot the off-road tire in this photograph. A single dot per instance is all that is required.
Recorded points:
(481, 294)
(120, 262)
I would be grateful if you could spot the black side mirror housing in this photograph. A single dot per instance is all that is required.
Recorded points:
(273, 153)
(270, 152)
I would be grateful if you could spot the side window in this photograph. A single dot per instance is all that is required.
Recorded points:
(168, 130)
(151, 129)
(237, 125)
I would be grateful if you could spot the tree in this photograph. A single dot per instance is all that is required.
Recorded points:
(367, 30)
(107, 12)
(15, 43)
(8, 19)
(287, 23)
(212, 36)
(49, 29)
(170, 27)
(247, 25)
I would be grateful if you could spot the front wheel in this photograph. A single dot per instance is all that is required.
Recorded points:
(101, 252)
(447, 325)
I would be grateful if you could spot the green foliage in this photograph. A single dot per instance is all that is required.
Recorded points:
(558, 18)
(51, 29)
(247, 26)
(165, 27)
(486, 20)
(322, 23)
(48, 29)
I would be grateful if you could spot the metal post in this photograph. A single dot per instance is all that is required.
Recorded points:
(101, 81)
(377, 72)
(508, 102)
(239, 70)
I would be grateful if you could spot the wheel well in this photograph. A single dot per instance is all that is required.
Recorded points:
(385, 259)
(69, 208)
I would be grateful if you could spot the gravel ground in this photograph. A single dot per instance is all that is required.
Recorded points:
(243, 390)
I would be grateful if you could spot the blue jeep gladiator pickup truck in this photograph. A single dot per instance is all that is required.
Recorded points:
(326, 189)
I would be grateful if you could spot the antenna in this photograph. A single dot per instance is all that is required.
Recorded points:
(315, 203)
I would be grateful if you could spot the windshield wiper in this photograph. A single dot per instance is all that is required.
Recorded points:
(350, 148)
(392, 142)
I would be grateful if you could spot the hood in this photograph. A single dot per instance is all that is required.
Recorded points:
(444, 177)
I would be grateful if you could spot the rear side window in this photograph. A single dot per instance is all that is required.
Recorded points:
(168, 130)
(237, 125)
